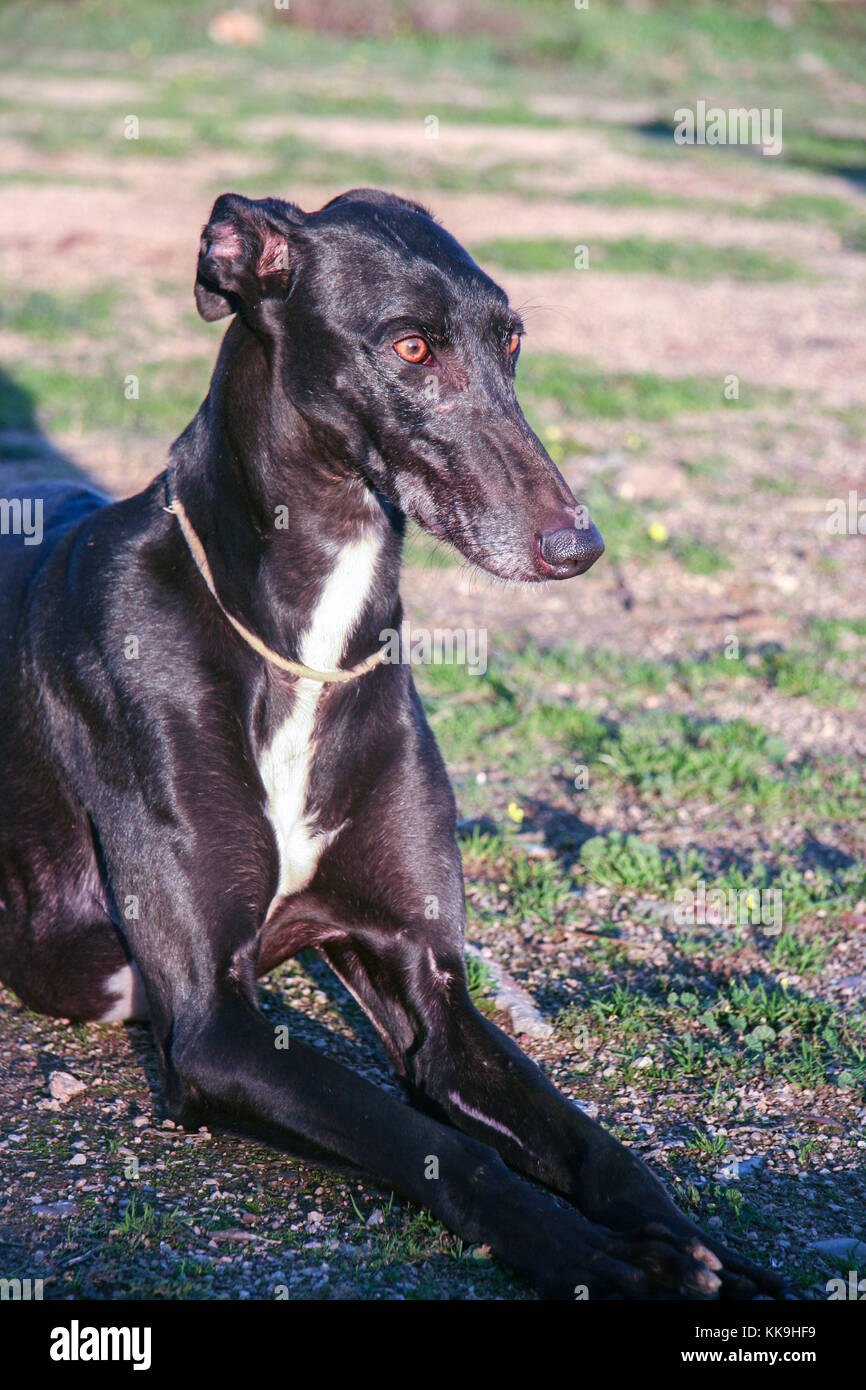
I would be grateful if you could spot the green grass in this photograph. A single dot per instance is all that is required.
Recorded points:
(509, 721)
(40, 315)
(818, 208)
(625, 861)
(697, 557)
(677, 757)
(793, 672)
(725, 1034)
(687, 260)
(629, 195)
(169, 396)
(585, 392)
(827, 153)
(479, 978)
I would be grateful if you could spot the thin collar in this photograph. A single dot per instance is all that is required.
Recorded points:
(293, 668)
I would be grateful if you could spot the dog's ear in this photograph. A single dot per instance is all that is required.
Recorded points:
(245, 254)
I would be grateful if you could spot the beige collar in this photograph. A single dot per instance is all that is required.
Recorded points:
(293, 668)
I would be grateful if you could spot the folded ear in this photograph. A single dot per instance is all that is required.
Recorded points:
(245, 254)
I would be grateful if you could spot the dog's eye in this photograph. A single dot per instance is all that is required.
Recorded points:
(413, 349)
(513, 343)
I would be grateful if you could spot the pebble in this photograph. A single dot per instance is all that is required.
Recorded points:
(62, 1086)
(740, 1168)
(53, 1209)
(843, 1248)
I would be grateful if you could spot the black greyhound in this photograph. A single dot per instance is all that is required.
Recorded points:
(206, 767)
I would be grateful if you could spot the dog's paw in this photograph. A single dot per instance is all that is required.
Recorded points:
(739, 1278)
(592, 1262)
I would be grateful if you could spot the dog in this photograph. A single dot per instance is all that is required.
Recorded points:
(207, 766)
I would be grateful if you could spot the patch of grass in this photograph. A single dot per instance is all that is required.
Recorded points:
(802, 955)
(805, 672)
(508, 720)
(538, 889)
(629, 196)
(41, 315)
(723, 1035)
(168, 397)
(673, 757)
(499, 717)
(713, 466)
(712, 1146)
(575, 663)
(785, 487)
(819, 208)
(697, 557)
(585, 392)
(479, 977)
(687, 260)
(141, 1224)
(626, 861)
(829, 153)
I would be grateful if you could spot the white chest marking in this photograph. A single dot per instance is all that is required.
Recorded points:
(285, 764)
(130, 999)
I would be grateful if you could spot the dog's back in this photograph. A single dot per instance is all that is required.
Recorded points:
(51, 510)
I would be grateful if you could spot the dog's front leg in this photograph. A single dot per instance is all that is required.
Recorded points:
(198, 950)
(458, 1065)
(225, 1066)
(401, 954)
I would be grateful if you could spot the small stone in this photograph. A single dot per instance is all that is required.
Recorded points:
(236, 29)
(53, 1209)
(588, 1107)
(77, 1160)
(62, 1086)
(376, 1218)
(843, 1248)
(856, 983)
(140, 1121)
(740, 1168)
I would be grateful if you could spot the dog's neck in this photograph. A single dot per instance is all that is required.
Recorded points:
(277, 517)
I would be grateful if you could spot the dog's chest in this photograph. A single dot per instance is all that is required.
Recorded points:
(286, 762)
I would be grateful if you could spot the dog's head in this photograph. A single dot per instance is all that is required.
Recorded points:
(400, 353)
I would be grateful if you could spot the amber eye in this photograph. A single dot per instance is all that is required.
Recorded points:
(513, 343)
(413, 350)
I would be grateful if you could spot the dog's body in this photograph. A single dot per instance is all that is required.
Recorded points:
(179, 815)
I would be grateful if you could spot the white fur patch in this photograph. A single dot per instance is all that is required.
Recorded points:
(285, 764)
(485, 1119)
(130, 1000)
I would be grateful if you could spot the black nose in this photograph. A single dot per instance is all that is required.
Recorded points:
(570, 551)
